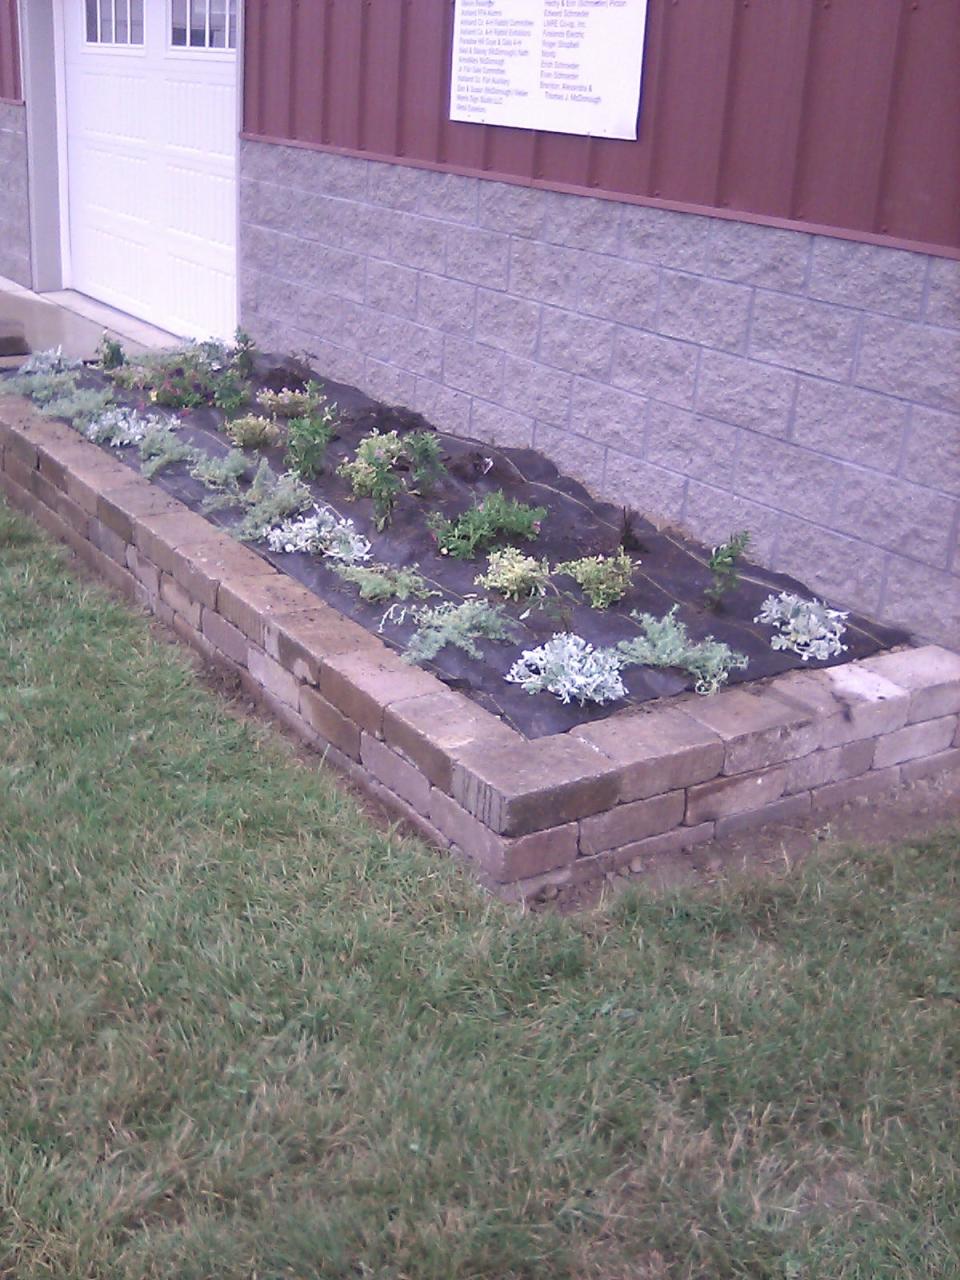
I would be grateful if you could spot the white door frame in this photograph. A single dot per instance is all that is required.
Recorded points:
(43, 59)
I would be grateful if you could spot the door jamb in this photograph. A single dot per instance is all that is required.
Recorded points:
(44, 111)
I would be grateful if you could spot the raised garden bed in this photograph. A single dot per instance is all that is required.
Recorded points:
(601, 781)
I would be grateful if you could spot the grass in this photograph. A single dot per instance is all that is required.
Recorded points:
(244, 1033)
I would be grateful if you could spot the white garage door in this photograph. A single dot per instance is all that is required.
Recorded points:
(151, 127)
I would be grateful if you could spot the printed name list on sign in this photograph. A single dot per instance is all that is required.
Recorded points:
(566, 66)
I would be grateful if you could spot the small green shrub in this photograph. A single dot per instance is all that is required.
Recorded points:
(514, 575)
(269, 500)
(665, 642)
(292, 404)
(307, 440)
(230, 394)
(603, 579)
(79, 407)
(422, 448)
(110, 354)
(494, 520)
(161, 448)
(222, 475)
(252, 432)
(723, 563)
(379, 582)
(42, 388)
(243, 354)
(458, 624)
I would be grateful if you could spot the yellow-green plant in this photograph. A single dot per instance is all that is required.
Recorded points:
(514, 575)
(603, 579)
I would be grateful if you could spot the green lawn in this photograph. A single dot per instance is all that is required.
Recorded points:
(244, 1033)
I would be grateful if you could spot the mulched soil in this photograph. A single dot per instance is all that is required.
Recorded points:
(671, 569)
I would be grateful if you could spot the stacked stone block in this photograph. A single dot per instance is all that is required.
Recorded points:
(713, 373)
(527, 815)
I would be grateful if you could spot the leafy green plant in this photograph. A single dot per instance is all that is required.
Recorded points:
(379, 582)
(723, 565)
(230, 394)
(179, 390)
(371, 472)
(243, 354)
(307, 440)
(514, 575)
(603, 579)
(461, 625)
(252, 432)
(665, 642)
(422, 448)
(160, 448)
(110, 353)
(493, 520)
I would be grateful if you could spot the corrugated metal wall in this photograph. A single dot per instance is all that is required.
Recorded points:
(826, 113)
(10, 90)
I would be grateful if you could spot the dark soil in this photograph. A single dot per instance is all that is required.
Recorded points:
(671, 569)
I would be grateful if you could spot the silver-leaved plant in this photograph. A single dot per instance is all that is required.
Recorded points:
(571, 668)
(807, 627)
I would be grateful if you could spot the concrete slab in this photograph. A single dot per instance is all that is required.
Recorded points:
(71, 321)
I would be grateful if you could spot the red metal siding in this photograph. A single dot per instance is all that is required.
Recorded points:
(833, 114)
(10, 90)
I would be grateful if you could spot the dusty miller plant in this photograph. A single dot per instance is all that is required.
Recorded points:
(50, 361)
(121, 426)
(570, 668)
(806, 627)
(320, 532)
(461, 625)
(665, 642)
(379, 582)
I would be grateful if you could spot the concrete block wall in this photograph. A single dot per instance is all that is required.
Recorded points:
(14, 199)
(712, 373)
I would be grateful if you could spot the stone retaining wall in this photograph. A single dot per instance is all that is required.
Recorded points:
(712, 373)
(526, 814)
(14, 196)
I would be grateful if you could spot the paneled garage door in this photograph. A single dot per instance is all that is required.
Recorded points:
(151, 126)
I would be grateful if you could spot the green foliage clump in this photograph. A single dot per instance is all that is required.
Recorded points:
(603, 579)
(493, 520)
(514, 575)
(269, 500)
(79, 407)
(458, 624)
(292, 404)
(371, 473)
(307, 440)
(243, 354)
(160, 448)
(230, 393)
(110, 354)
(422, 449)
(252, 432)
(665, 642)
(723, 565)
(42, 388)
(378, 582)
(223, 475)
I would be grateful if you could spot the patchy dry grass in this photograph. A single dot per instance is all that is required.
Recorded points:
(246, 1034)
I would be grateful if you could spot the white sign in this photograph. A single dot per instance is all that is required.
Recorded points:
(566, 66)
